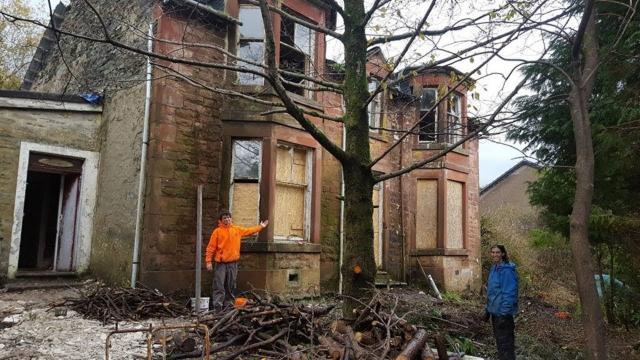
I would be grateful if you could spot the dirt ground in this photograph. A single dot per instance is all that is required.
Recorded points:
(540, 333)
(31, 330)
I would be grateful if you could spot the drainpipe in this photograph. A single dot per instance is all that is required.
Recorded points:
(143, 165)
(342, 192)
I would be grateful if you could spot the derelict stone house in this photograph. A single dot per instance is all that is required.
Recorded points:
(71, 170)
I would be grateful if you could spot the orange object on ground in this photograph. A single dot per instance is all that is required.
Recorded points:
(357, 269)
(562, 315)
(240, 302)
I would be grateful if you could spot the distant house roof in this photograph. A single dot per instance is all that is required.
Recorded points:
(508, 173)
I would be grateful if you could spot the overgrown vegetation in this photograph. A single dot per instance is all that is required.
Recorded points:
(614, 109)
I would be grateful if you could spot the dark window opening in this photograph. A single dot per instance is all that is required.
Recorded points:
(428, 119)
(297, 45)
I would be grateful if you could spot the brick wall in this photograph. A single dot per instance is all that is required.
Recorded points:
(184, 150)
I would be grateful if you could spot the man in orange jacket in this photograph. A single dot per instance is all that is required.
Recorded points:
(224, 250)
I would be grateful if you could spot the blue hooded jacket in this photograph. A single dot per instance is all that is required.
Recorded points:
(502, 289)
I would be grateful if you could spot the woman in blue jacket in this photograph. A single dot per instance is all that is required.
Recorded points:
(502, 301)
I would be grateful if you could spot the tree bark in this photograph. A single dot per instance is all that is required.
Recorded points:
(414, 347)
(584, 62)
(358, 268)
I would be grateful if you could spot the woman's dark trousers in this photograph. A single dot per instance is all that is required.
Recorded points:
(503, 331)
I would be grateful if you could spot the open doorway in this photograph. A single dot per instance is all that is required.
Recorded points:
(49, 226)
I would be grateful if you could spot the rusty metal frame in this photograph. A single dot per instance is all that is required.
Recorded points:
(150, 330)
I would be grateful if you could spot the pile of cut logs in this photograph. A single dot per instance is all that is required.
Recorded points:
(291, 331)
(115, 304)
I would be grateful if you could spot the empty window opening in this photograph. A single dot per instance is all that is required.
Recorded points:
(428, 119)
(297, 45)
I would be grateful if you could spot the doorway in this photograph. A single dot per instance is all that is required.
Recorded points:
(48, 240)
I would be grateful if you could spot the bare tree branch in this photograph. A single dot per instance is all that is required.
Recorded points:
(450, 148)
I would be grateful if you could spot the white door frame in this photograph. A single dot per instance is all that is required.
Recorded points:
(86, 204)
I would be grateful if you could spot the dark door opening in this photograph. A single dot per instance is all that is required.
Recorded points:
(39, 224)
(49, 223)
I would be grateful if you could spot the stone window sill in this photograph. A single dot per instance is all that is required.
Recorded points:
(288, 247)
(440, 146)
(440, 252)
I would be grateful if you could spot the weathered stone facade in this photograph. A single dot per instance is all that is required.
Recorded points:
(58, 122)
(192, 134)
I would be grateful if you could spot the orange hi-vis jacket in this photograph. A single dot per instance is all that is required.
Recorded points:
(224, 244)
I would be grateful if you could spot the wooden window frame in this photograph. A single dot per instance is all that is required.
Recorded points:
(432, 137)
(233, 180)
(258, 81)
(308, 198)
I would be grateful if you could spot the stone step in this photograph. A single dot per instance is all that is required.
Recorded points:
(31, 280)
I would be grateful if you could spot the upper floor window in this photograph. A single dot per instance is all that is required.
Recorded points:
(454, 119)
(297, 51)
(428, 119)
(251, 45)
(374, 107)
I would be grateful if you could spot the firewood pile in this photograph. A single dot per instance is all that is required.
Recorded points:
(292, 331)
(115, 304)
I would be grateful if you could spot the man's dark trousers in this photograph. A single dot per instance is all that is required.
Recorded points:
(224, 283)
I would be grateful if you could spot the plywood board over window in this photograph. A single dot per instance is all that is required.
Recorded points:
(455, 215)
(427, 214)
(292, 192)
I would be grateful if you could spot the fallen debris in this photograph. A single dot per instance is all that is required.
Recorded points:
(115, 304)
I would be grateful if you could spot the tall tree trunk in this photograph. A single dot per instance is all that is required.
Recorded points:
(584, 61)
(358, 269)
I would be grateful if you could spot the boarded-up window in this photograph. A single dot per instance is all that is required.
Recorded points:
(427, 214)
(455, 215)
(293, 166)
(245, 181)
(378, 203)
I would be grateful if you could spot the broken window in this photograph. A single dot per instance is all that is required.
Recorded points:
(454, 120)
(297, 49)
(293, 193)
(428, 119)
(251, 45)
(374, 108)
(245, 181)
